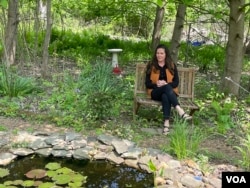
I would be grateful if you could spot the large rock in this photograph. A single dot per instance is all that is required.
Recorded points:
(6, 158)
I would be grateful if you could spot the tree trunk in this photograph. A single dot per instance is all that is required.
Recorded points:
(178, 28)
(10, 38)
(235, 48)
(156, 36)
(45, 58)
(36, 29)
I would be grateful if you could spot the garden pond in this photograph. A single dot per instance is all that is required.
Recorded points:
(98, 173)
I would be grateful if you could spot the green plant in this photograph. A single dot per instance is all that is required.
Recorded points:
(20, 145)
(178, 140)
(248, 100)
(184, 141)
(30, 129)
(154, 169)
(214, 95)
(97, 94)
(13, 85)
(15, 131)
(64, 105)
(217, 156)
(101, 89)
(206, 57)
(196, 136)
(4, 172)
(9, 107)
(88, 45)
(124, 131)
(218, 110)
(223, 118)
(203, 162)
(245, 152)
(3, 128)
(57, 176)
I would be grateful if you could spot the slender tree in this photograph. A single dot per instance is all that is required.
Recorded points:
(45, 58)
(10, 38)
(178, 28)
(36, 27)
(156, 36)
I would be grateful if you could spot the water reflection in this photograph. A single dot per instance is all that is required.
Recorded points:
(100, 173)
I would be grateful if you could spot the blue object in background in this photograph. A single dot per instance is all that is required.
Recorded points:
(196, 43)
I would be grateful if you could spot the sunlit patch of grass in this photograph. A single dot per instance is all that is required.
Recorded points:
(3, 128)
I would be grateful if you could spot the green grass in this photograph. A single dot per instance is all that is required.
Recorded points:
(184, 140)
(3, 128)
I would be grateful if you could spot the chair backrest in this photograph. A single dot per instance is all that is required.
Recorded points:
(186, 81)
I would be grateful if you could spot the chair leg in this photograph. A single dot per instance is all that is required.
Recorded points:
(192, 111)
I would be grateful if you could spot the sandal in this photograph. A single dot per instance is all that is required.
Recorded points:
(186, 116)
(166, 128)
(165, 131)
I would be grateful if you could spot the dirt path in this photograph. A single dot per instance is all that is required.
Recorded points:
(19, 124)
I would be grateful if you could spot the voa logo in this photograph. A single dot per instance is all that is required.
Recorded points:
(236, 179)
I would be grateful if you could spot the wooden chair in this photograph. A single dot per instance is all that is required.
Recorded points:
(186, 89)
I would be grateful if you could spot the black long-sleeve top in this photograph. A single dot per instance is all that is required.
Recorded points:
(162, 76)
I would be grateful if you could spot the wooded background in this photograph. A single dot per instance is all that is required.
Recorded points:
(216, 22)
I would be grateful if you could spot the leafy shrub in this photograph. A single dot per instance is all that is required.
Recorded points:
(9, 107)
(206, 57)
(101, 89)
(220, 110)
(94, 95)
(64, 104)
(223, 118)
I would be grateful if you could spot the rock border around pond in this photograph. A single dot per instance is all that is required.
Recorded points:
(113, 149)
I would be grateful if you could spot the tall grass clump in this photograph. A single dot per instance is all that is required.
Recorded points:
(184, 141)
(245, 152)
(101, 90)
(13, 85)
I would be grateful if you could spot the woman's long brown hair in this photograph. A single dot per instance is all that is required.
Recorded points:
(168, 61)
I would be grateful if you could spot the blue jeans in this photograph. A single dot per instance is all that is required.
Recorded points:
(167, 96)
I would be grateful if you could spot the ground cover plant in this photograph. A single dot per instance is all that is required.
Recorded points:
(82, 93)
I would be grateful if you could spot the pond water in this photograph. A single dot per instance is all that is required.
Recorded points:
(99, 173)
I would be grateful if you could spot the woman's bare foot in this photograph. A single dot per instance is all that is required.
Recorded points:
(166, 123)
(179, 110)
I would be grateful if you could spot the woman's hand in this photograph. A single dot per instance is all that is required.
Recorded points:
(161, 83)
